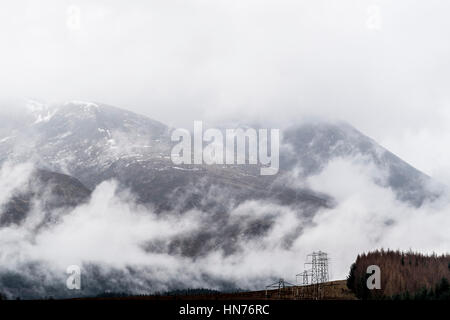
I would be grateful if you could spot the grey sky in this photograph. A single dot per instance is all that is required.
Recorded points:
(280, 61)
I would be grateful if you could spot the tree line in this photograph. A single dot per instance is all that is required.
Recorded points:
(404, 275)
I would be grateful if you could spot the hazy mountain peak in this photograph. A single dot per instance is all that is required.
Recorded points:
(311, 146)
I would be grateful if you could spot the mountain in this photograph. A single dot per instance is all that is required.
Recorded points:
(94, 142)
(77, 145)
(311, 146)
(84, 137)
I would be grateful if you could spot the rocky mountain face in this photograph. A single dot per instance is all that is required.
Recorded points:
(94, 142)
(81, 138)
(312, 146)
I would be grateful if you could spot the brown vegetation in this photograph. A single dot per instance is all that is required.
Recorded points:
(335, 290)
(401, 273)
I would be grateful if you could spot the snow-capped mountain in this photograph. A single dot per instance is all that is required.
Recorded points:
(77, 137)
(94, 142)
(87, 143)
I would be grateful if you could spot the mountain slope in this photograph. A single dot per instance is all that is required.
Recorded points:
(95, 142)
(49, 190)
(312, 146)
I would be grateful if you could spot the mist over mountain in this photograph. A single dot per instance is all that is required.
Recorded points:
(144, 204)
(312, 146)
(55, 191)
(94, 142)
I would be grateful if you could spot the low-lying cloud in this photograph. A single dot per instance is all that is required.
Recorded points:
(123, 246)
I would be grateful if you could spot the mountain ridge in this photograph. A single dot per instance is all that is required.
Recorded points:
(94, 142)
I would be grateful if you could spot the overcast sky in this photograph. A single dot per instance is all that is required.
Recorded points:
(381, 65)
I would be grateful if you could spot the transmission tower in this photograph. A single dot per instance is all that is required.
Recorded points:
(280, 285)
(315, 275)
(319, 267)
(305, 277)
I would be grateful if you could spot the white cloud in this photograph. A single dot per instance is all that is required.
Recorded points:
(111, 231)
(276, 61)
